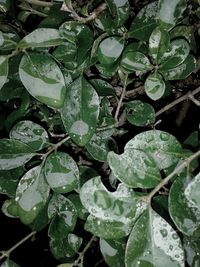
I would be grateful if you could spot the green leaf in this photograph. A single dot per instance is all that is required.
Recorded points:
(102, 87)
(185, 216)
(99, 146)
(153, 242)
(42, 37)
(144, 22)
(9, 208)
(191, 192)
(176, 55)
(140, 113)
(182, 71)
(61, 172)
(13, 154)
(81, 211)
(170, 11)
(154, 86)
(80, 111)
(110, 49)
(9, 263)
(31, 194)
(107, 229)
(192, 251)
(63, 214)
(42, 219)
(65, 265)
(135, 61)
(4, 7)
(113, 252)
(30, 133)
(161, 146)
(134, 168)
(108, 70)
(159, 42)
(8, 40)
(120, 10)
(43, 79)
(3, 70)
(122, 207)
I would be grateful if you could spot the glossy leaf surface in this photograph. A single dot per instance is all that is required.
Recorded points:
(158, 43)
(144, 22)
(135, 168)
(3, 70)
(113, 252)
(154, 86)
(121, 207)
(182, 71)
(120, 9)
(185, 216)
(161, 146)
(192, 192)
(80, 111)
(153, 242)
(31, 194)
(140, 113)
(61, 172)
(176, 55)
(13, 154)
(43, 79)
(42, 37)
(170, 11)
(30, 133)
(9, 263)
(110, 50)
(135, 61)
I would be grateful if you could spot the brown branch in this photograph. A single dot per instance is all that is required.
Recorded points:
(177, 101)
(91, 17)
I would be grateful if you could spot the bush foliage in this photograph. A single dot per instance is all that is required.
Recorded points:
(82, 152)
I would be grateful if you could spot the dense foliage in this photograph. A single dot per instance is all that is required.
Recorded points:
(82, 152)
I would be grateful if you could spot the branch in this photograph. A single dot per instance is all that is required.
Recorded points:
(81, 254)
(183, 165)
(6, 253)
(39, 3)
(91, 17)
(177, 101)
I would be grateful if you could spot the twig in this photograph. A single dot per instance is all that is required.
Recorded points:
(135, 92)
(91, 17)
(177, 101)
(121, 99)
(194, 100)
(39, 3)
(183, 165)
(183, 112)
(6, 253)
(81, 254)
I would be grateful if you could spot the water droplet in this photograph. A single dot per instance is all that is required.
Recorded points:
(163, 232)
(164, 136)
(174, 236)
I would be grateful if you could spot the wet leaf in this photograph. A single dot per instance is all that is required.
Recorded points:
(14, 153)
(122, 207)
(182, 71)
(9, 208)
(63, 214)
(154, 86)
(42, 37)
(80, 111)
(99, 146)
(113, 252)
(43, 79)
(135, 61)
(3, 70)
(185, 216)
(153, 242)
(8, 262)
(134, 168)
(42, 219)
(31, 194)
(140, 113)
(192, 192)
(119, 9)
(4, 7)
(192, 251)
(170, 11)
(144, 22)
(110, 49)
(30, 133)
(161, 146)
(159, 42)
(81, 211)
(61, 172)
(102, 87)
(8, 41)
